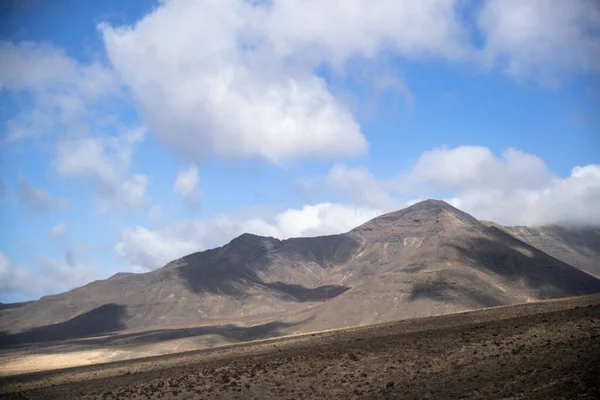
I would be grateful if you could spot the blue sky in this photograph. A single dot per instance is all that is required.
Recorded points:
(135, 133)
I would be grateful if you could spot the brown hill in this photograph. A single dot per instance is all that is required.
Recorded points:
(428, 259)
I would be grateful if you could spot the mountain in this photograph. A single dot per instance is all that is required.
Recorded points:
(442, 260)
(427, 259)
(577, 246)
(4, 306)
(251, 276)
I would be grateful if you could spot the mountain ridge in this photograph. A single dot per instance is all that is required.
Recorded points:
(427, 259)
(577, 246)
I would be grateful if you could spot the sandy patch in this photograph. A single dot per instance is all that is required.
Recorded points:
(39, 362)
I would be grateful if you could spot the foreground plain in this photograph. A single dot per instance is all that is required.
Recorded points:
(540, 350)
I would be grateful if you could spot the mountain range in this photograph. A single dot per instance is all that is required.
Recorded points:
(427, 259)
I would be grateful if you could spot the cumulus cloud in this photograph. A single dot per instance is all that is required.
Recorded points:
(475, 167)
(105, 161)
(186, 185)
(358, 183)
(214, 87)
(145, 249)
(37, 199)
(564, 201)
(513, 188)
(541, 37)
(238, 80)
(322, 219)
(334, 31)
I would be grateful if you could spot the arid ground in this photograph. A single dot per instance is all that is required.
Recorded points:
(540, 350)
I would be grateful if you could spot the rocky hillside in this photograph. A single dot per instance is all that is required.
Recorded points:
(577, 246)
(428, 259)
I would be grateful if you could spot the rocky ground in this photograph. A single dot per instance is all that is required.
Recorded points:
(532, 351)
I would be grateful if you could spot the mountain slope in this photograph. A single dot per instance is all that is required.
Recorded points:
(428, 259)
(251, 275)
(447, 261)
(577, 246)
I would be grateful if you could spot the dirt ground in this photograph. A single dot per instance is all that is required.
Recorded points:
(540, 350)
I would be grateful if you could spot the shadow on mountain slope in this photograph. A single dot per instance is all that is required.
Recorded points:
(9, 306)
(235, 283)
(455, 286)
(304, 294)
(229, 331)
(216, 281)
(442, 292)
(522, 264)
(414, 268)
(105, 319)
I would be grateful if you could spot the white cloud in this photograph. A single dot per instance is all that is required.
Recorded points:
(52, 277)
(58, 231)
(468, 167)
(358, 183)
(236, 78)
(14, 279)
(65, 93)
(186, 185)
(41, 66)
(60, 275)
(145, 249)
(205, 82)
(535, 36)
(565, 201)
(514, 188)
(334, 30)
(105, 161)
(232, 77)
(207, 74)
(37, 199)
(73, 103)
(322, 219)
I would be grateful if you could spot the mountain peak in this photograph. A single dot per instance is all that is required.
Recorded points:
(431, 203)
(425, 211)
(247, 236)
(430, 206)
(250, 240)
(120, 275)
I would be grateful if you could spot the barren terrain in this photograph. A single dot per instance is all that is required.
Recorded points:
(548, 349)
(428, 259)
